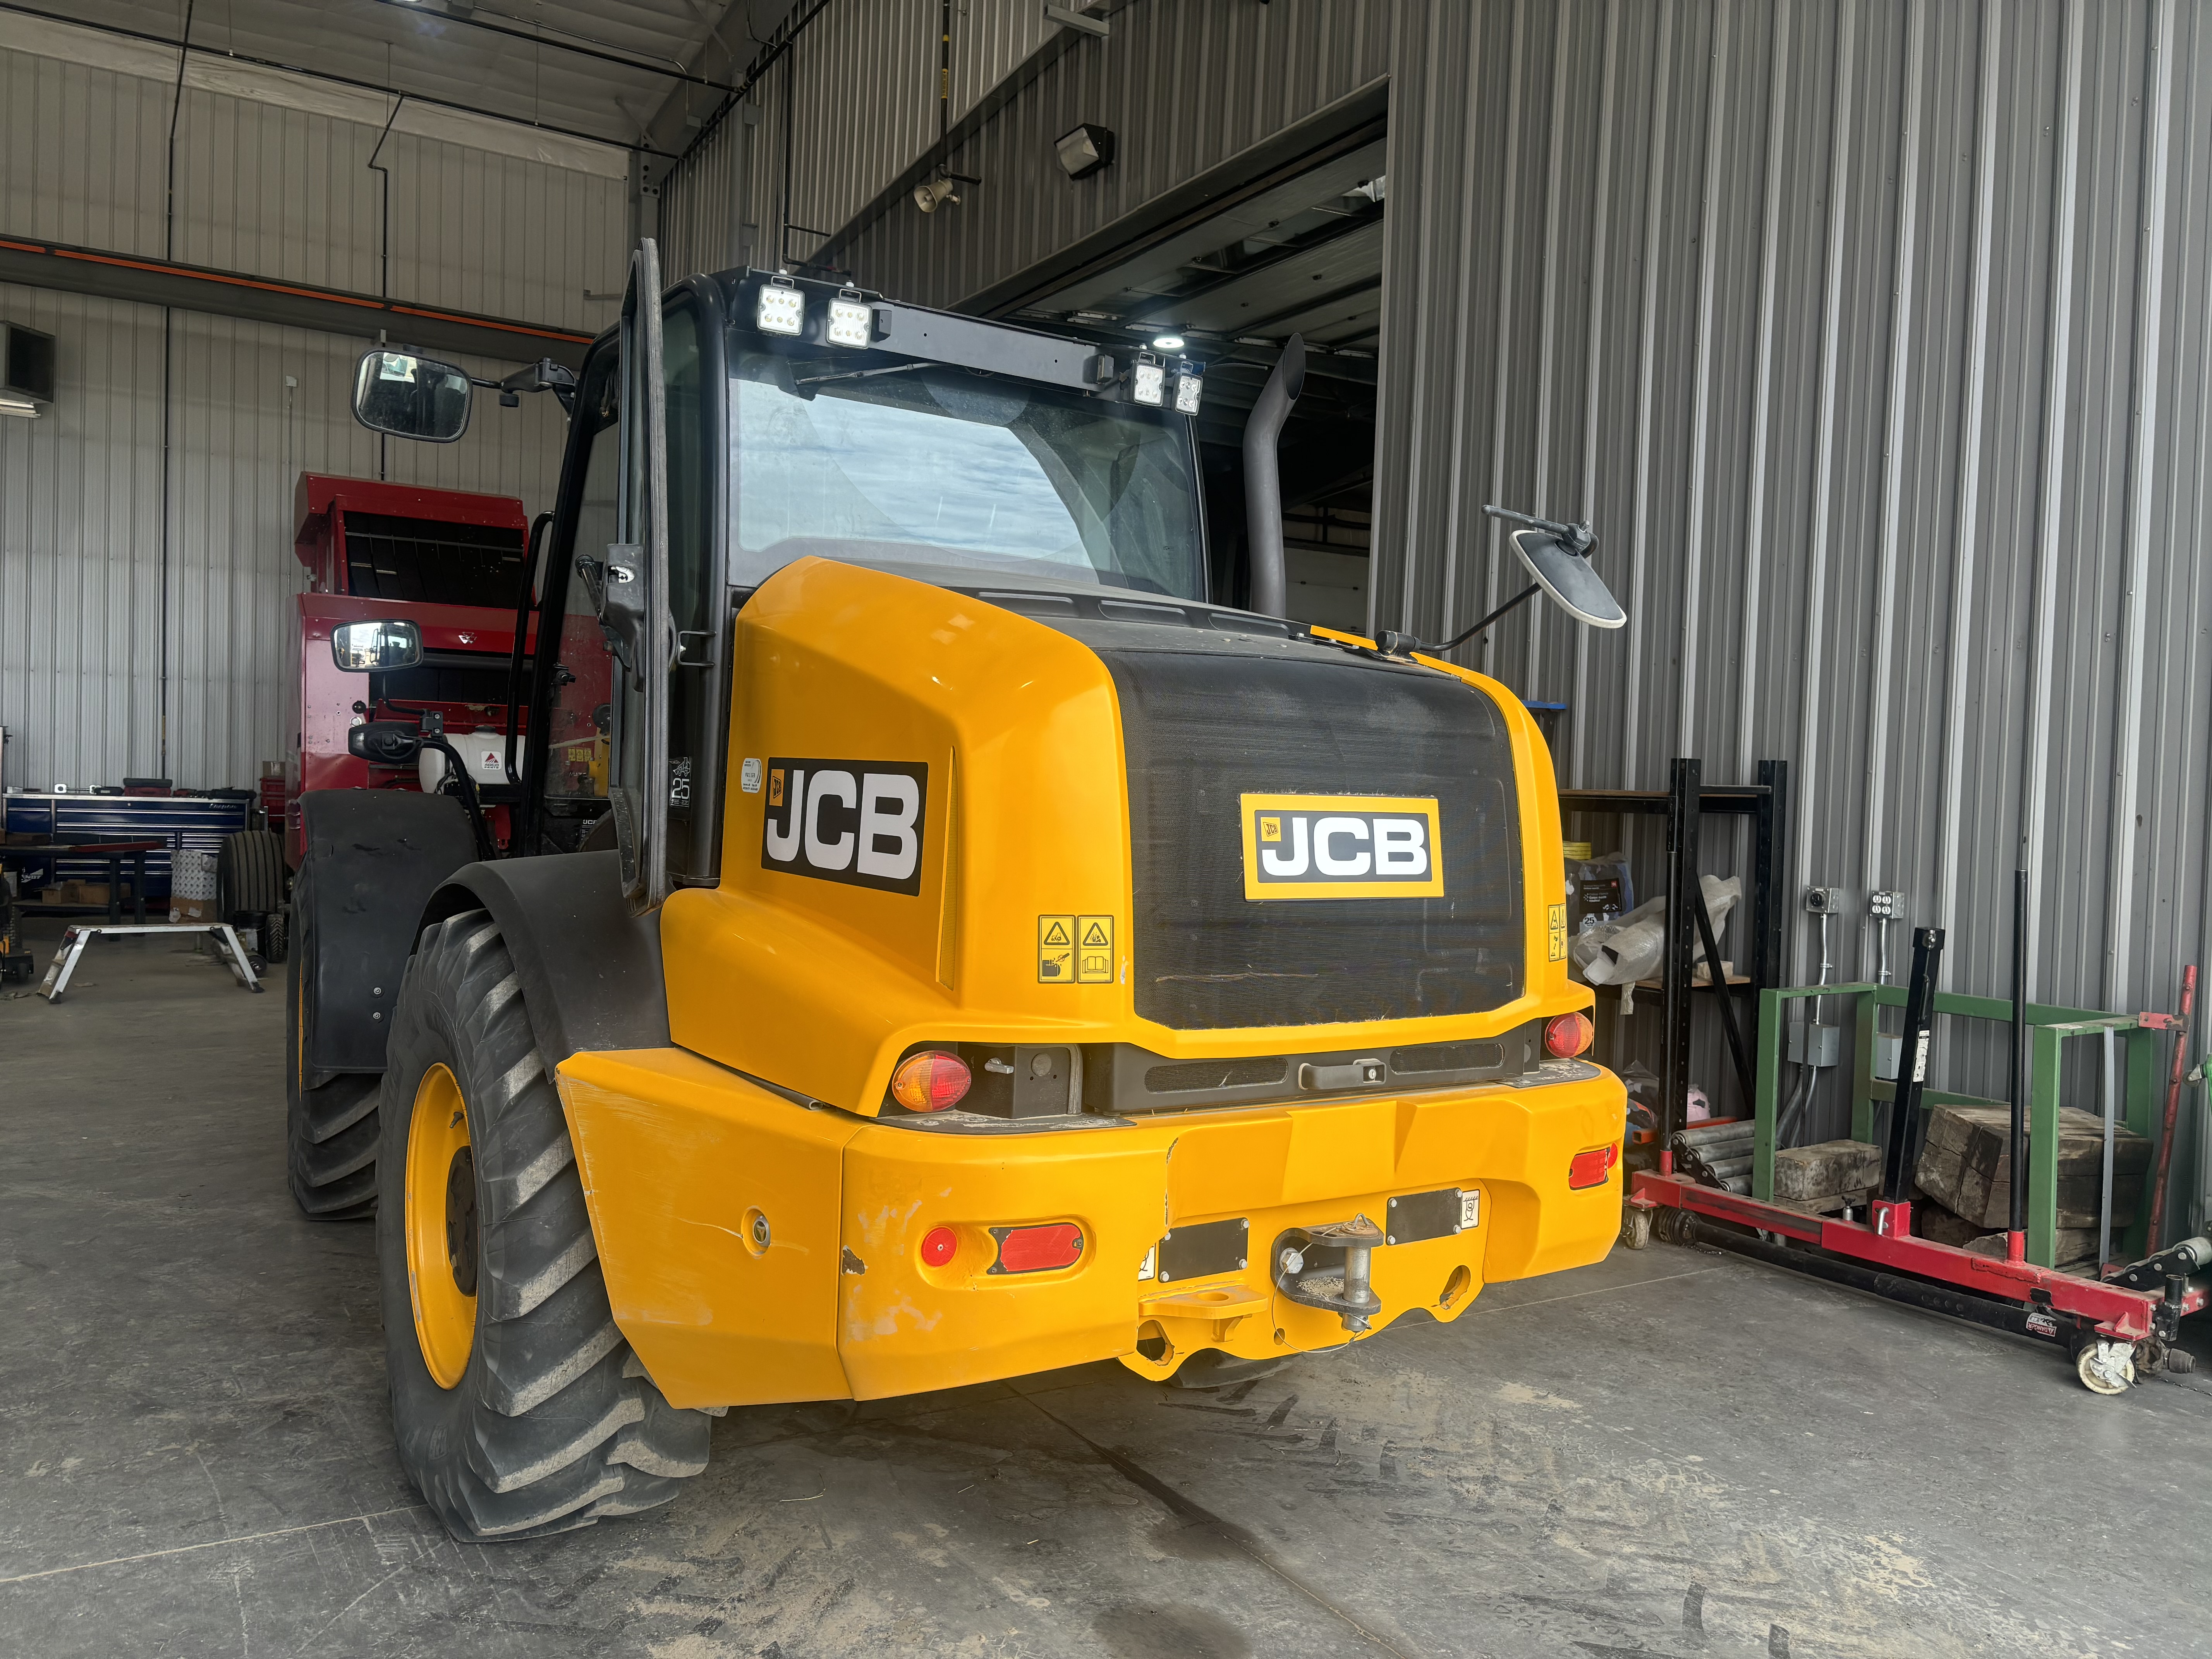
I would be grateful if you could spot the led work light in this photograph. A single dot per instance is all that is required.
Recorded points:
(1189, 383)
(781, 308)
(1148, 380)
(852, 319)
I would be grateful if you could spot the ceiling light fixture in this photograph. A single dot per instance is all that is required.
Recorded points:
(1167, 343)
(1084, 150)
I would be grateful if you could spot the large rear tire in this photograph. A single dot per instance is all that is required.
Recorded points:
(519, 1407)
(330, 1130)
(249, 872)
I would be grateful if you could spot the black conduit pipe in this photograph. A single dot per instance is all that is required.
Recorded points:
(1263, 482)
(2008, 1316)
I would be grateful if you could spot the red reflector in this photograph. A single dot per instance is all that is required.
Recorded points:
(1591, 1169)
(1033, 1250)
(1569, 1035)
(930, 1081)
(938, 1245)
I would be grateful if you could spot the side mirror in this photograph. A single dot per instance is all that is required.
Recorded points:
(410, 396)
(1563, 571)
(361, 648)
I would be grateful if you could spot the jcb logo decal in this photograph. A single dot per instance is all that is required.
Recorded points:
(858, 821)
(1341, 847)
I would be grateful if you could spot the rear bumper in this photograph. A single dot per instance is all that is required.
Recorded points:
(758, 1251)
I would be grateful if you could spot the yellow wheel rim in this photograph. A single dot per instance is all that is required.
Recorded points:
(441, 1226)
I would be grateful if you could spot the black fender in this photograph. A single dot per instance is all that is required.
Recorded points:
(375, 857)
(590, 971)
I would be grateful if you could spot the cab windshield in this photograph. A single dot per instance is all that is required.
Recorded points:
(935, 466)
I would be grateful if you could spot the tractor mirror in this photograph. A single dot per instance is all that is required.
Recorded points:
(361, 648)
(410, 396)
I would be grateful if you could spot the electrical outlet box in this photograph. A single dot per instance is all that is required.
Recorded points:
(1886, 906)
(1824, 901)
(1887, 1045)
(1815, 1045)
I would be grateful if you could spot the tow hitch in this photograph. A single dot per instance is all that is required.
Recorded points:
(1326, 1266)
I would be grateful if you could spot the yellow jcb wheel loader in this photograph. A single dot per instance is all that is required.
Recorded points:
(946, 943)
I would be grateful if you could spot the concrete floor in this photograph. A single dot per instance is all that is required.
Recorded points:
(1674, 1453)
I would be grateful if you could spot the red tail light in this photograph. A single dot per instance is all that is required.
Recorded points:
(1591, 1168)
(930, 1081)
(1569, 1035)
(1034, 1249)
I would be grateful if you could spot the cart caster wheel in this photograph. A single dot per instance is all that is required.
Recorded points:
(2106, 1367)
(1636, 1229)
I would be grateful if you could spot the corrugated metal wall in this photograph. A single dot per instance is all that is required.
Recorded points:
(1870, 334)
(274, 184)
(860, 87)
(1185, 85)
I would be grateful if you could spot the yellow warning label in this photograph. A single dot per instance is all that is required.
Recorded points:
(1094, 961)
(1558, 932)
(1056, 949)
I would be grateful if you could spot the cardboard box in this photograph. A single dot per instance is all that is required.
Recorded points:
(191, 909)
(84, 892)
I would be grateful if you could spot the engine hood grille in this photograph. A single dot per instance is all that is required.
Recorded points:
(1205, 724)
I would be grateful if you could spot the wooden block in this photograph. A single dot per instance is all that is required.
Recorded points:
(1965, 1165)
(1826, 1169)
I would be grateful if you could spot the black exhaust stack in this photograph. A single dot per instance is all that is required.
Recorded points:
(1263, 483)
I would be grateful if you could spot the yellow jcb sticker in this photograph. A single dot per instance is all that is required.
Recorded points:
(1558, 932)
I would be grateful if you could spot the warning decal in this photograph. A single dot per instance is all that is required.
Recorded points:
(1075, 949)
(1056, 949)
(1094, 956)
(1558, 919)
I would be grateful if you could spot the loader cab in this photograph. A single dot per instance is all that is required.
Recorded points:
(751, 419)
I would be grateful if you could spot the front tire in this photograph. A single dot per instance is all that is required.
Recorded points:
(330, 1130)
(519, 1407)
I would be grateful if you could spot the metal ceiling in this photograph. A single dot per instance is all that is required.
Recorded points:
(614, 71)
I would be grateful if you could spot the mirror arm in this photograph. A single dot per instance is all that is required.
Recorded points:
(1395, 645)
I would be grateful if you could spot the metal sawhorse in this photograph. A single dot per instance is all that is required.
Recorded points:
(77, 936)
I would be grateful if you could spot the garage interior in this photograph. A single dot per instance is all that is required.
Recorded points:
(1867, 340)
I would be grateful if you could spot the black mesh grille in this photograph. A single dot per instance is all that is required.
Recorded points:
(431, 562)
(1203, 728)
(1214, 1075)
(1449, 1057)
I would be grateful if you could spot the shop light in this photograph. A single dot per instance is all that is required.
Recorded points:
(1168, 343)
(1148, 380)
(781, 308)
(852, 320)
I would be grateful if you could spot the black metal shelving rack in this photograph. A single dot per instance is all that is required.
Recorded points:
(1683, 802)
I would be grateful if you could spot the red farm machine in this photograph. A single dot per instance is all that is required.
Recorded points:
(435, 579)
